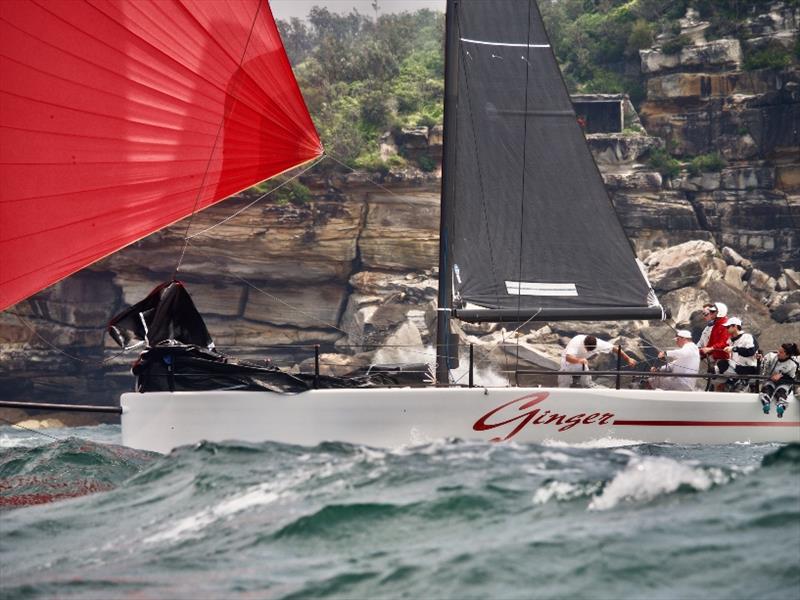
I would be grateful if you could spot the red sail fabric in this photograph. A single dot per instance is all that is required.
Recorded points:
(118, 118)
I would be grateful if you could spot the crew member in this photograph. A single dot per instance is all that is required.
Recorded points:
(742, 349)
(709, 314)
(684, 359)
(781, 382)
(579, 351)
(718, 339)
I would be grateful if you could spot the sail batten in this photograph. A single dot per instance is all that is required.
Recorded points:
(120, 118)
(533, 228)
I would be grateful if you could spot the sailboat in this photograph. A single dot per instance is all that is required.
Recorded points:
(122, 118)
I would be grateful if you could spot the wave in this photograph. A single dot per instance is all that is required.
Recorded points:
(646, 478)
(64, 469)
(785, 455)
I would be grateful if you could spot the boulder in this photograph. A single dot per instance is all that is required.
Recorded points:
(683, 303)
(734, 258)
(734, 276)
(404, 345)
(761, 282)
(681, 265)
(792, 279)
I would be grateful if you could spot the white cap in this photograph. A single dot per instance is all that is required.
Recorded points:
(684, 333)
(722, 309)
(733, 321)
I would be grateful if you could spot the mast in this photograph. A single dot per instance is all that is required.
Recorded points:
(448, 191)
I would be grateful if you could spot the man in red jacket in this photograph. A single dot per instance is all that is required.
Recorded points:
(719, 337)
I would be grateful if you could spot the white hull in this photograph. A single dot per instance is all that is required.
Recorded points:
(394, 417)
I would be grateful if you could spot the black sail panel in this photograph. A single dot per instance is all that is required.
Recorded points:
(532, 225)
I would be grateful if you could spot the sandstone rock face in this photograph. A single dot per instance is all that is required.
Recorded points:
(611, 149)
(354, 269)
(726, 53)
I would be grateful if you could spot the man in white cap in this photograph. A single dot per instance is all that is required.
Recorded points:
(684, 359)
(743, 349)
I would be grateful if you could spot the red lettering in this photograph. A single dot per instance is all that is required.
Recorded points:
(524, 418)
(555, 418)
(572, 421)
(606, 417)
(538, 420)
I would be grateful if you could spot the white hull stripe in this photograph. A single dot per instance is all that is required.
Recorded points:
(525, 288)
(505, 44)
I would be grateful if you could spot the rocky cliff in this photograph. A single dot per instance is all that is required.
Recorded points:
(353, 270)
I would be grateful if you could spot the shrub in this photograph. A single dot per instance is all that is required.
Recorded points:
(293, 192)
(426, 163)
(675, 45)
(774, 56)
(641, 37)
(707, 162)
(662, 161)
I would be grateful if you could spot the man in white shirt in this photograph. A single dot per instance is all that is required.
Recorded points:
(684, 359)
(577, 354)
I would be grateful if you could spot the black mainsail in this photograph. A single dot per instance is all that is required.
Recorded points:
(529, 232)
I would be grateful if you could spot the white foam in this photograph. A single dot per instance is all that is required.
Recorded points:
(605, 442)
(257, 495)
(645, 478)
(188, 526)
(562, 490)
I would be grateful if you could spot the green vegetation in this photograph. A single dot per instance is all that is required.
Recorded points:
(662, 161)
(292, 192)
(675, 45)
(362, 76)
(774, 56)
(706, 162)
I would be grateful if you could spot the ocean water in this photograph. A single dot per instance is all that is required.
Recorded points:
(82, 517)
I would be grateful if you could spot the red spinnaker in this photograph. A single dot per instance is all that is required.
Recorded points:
(118, 118)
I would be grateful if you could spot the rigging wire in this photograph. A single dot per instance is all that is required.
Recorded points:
(96, 363)
(214, 146)
(18, 426)
(313, 164)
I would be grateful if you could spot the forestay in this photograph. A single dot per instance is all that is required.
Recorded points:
(532, 229)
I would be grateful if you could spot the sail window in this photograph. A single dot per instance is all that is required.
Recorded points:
(526, 288)
(510, 44)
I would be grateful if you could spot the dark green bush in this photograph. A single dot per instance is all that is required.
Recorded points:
(774, 56)
(706, 162)
(662, 161)
(293, 192)
(675, 45)
(426, 163)
(641, 37)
